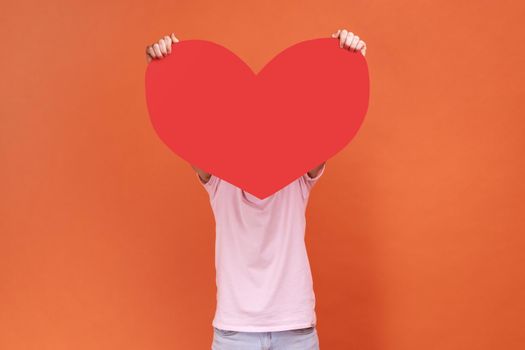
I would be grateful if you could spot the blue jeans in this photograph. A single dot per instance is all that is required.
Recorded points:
(296, 339)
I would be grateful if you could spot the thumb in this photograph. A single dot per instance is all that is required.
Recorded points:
(335, 35)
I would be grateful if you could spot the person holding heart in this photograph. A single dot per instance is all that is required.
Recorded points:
(265, 296)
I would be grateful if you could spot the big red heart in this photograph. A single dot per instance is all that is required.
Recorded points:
(261, 131)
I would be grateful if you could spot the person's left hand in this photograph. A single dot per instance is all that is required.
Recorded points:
(350, 41)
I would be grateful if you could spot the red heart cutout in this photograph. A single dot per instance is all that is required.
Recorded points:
(261, 131)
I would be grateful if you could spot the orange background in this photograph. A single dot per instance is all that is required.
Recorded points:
(415, 231)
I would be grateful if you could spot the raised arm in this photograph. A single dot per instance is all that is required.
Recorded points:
(347, 41)
(161, 49)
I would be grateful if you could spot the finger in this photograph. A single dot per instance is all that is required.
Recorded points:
(335, 35)
(360, 45)
(150, 52)
(342, 37)
(156, 48)
(174, 38)
(353, 44)
(162, 46)
(348, 40)
(168, 42)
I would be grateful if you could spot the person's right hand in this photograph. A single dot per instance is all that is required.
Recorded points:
(160, 49)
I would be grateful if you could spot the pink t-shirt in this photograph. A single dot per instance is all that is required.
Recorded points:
(263, 276)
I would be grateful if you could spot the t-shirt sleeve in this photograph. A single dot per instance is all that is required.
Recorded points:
(306, 182)
(210, 186)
